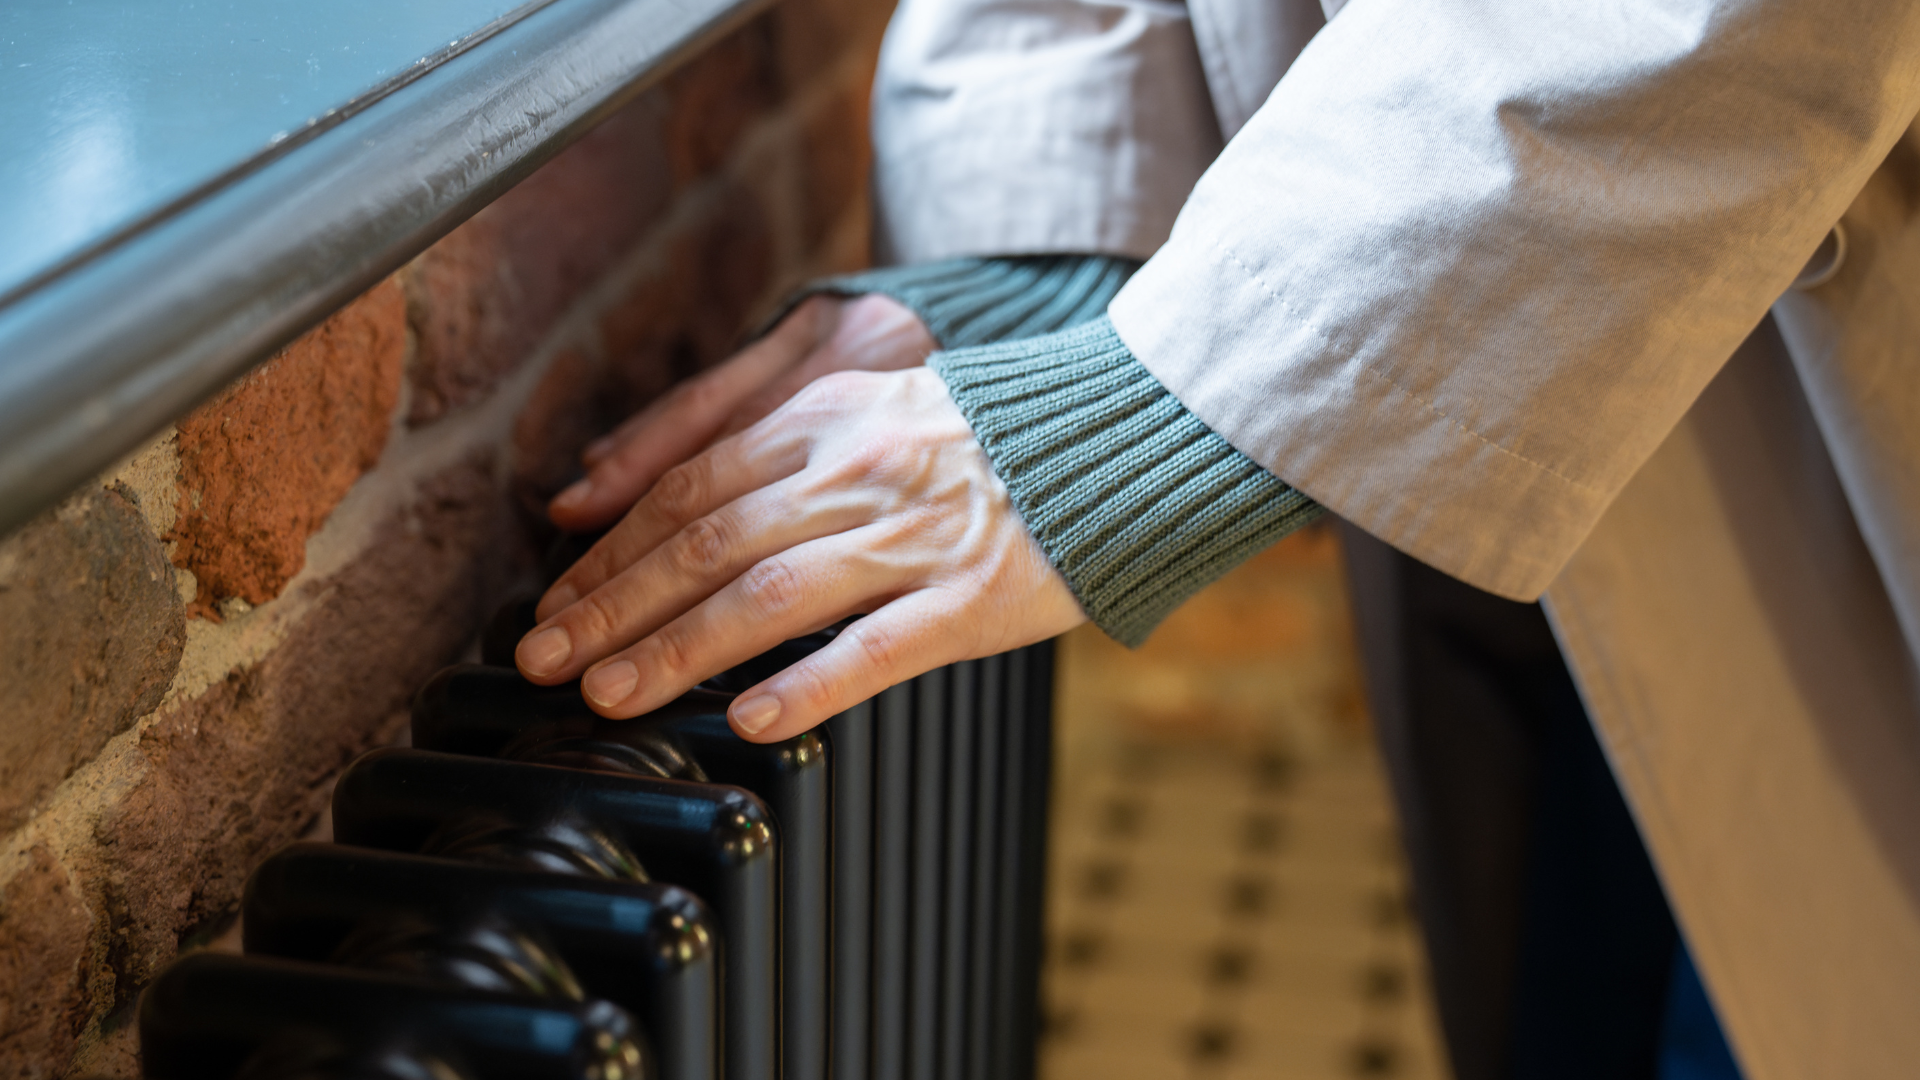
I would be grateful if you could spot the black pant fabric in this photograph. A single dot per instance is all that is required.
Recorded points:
(1550, 939)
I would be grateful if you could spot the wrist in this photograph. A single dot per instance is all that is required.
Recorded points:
(1136, 502)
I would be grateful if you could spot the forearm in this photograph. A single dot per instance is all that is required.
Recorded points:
(1469, 264)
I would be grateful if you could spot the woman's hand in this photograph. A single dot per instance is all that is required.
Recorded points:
(865, 493)
(823, 335)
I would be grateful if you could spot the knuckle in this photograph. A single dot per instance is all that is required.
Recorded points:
(601, 562)
(773, 588)
(595, 616)
(869, 461)
(810, 686)
(672, 652)
(703, 545)
(835, 390)
(883, 649)
(678, 492)
(807, 318)
(810, 399)
(841, 382)
(876, 456)
(702, 394)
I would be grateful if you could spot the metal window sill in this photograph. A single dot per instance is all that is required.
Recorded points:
(103, 350)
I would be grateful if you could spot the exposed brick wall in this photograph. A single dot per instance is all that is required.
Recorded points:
(249, 500)
(192, 647)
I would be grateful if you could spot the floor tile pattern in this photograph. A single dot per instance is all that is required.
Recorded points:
(1228, 897)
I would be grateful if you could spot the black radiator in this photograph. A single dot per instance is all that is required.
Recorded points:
(533, 891)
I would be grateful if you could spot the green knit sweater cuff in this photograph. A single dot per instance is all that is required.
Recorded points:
(977, 301)
(1138, 503)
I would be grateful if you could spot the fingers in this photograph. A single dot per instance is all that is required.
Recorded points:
(865, 493)
(785, 596)
(625, 464)
(706, 557)
(871, 333)
(683, 496)
(908, 637)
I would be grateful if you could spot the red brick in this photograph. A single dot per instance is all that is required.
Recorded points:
(91, 630)
(263, 464)
(486, 294)
(569, 408)
(717, 98)
(810, 36)
(230, 774)
(698, 307)
(239, 770)
(462, 302)
(647, 330)
(695, 310)
(727, 264)
(836, 159)
(48, 940)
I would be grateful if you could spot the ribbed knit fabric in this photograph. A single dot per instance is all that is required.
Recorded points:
(1137, 502)
(977, 301)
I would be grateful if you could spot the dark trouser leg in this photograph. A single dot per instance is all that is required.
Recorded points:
(1550, 940)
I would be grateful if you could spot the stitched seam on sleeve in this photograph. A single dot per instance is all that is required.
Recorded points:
(1388, 379)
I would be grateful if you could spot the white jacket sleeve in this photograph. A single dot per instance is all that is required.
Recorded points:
(1472, 261)
(1006, 127)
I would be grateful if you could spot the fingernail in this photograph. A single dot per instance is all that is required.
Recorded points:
(609, 686)
(596, 450)
(574, 495)
(544, 652)
(756, 714)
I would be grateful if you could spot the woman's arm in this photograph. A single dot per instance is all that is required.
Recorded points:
(1471, 262)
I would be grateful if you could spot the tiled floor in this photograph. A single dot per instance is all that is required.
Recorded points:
(1227, 896)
